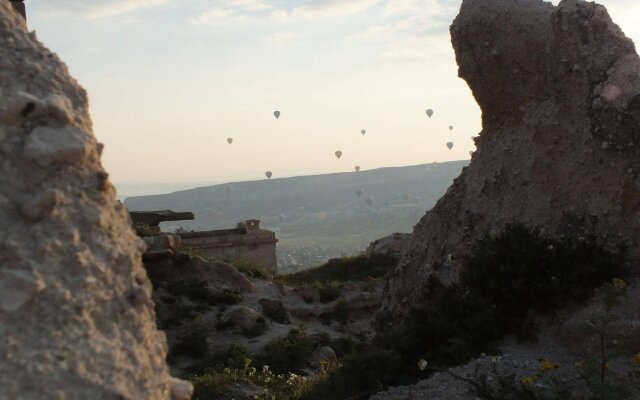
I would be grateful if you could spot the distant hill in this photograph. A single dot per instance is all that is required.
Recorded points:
(315, 217)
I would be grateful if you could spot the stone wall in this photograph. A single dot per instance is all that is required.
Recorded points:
(257, 245)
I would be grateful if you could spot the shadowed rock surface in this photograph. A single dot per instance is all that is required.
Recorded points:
(559, 89)
(76, 316)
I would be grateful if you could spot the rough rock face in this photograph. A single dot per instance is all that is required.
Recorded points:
(76, 317)
(559, 88)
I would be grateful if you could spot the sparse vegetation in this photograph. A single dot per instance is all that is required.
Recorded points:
(250, 268)
(357, 268)
(198, 290)
(593, 377)
(508, 281)
(275, 311)
(329, 291)
(191, 341)
(144, 230)
(288, 354)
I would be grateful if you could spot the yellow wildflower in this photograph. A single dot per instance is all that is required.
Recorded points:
(636, 358)
(547, 365)
(528, 380)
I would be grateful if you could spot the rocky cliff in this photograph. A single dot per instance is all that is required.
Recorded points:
(559, 89)
(76, 316)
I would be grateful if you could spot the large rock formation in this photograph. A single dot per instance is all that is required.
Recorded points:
(559, 89)
(76, 317)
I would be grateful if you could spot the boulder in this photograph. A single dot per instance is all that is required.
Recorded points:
(392, 245)
(244, 319)
(309, 294)
(274, 310)
(559, 89)
(76, 316)
(325, 355)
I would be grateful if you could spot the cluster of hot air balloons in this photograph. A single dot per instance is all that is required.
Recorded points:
(338, 153)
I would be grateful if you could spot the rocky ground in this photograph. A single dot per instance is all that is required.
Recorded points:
(230, 307)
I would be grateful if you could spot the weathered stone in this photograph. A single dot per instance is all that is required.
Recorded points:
(42, 204)
(180, 390)
(75, 317)
(47, 145)
(554, 83)
(322, 357)
(392, 245)
(16, 288)
(244, 319)
(309, 294)
(274, 310)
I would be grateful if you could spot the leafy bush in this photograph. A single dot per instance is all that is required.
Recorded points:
(275, 310)
(275, 386)
(192, 341)
(521, 273)
(360, 375)
(233, 356)
(288, 354)
(144, 230)
(329, 291)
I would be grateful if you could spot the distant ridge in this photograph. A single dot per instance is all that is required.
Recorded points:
(322, 213)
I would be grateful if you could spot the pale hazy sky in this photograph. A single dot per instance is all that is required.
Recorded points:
(170, 80)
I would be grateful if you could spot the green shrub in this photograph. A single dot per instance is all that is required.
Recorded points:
(521, 273)
(233, 356)
(192, 341)
(288, 354)
(329, 291)
(361, 375)
(275, 311)
(144, 230)
(274, 386)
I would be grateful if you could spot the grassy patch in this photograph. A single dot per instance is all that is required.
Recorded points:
(329, 291)
(250, 268)
(357, 268)
(288, 354)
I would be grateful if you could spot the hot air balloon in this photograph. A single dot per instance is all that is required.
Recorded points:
(338, 154)
(450, 127)
(359, 192)
(321, 216)
(363, 131)
(276, 114)
(449, 145)
(229, 140)
(369, 201)
(406, 196)
(357, 168)
(268, 174)
(429, 112)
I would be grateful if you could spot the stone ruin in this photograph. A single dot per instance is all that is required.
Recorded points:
(559, 89)
(76, 316)
(245, 242)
